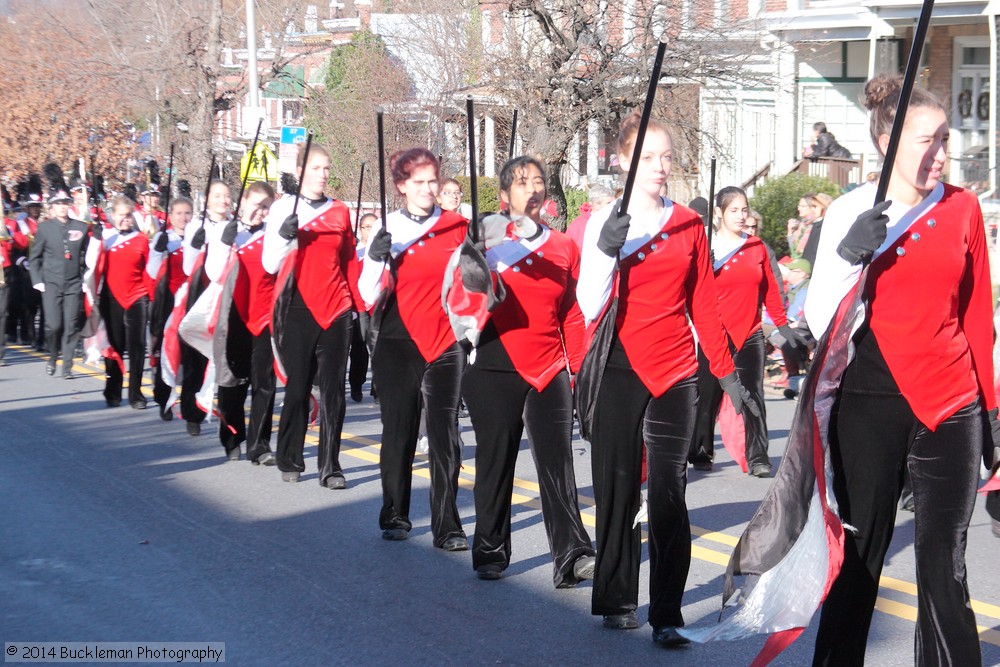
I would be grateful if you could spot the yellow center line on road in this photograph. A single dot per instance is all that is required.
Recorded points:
(466, 480)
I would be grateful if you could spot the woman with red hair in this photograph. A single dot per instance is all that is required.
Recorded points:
(414, 351)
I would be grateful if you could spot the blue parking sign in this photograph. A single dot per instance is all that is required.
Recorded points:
(293, 135)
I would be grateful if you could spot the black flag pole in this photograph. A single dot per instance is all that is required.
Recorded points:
(302, 172)
(381, 164)
(361, 184)
(470, 119)
(170, 184)
(711, 203)
(919, 34)
(243, 181)
(513, 136)
(93, 188)
(647, 110)
(208, 187)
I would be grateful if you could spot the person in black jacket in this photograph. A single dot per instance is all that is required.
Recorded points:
(826, 145)
(56, 266)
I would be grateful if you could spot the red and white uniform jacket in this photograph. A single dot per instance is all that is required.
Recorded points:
(323, 254)
(253, 293)
(421, 251)
(16, 241)
(539, 325)
(125, 257)
(929, 293)
(664, 274)
(168, 264)
(744, 279)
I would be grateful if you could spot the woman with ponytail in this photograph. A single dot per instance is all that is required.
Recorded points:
(918, 392)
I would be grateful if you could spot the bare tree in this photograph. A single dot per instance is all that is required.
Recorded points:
(168, 56)
(53, 110)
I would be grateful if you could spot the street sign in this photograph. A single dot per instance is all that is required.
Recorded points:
(293, 135)
(288, 151)
(261, 165)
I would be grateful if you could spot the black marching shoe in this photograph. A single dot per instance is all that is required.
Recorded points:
(166, 415)
(113, 402)
(290, 477)
(583, 568)
(68, 374)
(356, 395)
(761, 470)
(395, 534)
(669, 637)
(626, 621)
(335, 482)
(193, 429)
(266, 459)
(138, 405)
(456, 543)
(234, 454)
(50, 368)
(489, 572)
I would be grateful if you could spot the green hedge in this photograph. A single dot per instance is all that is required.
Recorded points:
(777, 200)
(574, 200)
(489, 192)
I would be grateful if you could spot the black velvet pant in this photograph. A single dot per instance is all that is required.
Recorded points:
(501, 404)
(5, 289)
(359, 358)
(872, 438)
(252, 359)
(625, 417)
(749, 362)
(402, 376)
(126, 333)
(192, 376)
(63, 320)
(312, 354)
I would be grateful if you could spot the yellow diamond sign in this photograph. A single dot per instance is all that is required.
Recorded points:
(260, 165)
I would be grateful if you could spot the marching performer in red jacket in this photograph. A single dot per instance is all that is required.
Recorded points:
(166, 270)
(311, 251)
(248, 336)
(520, 378)
(743, 280)
(11, 238)
(917, 391)
(124, 299)
(415, 352)
(640, 275)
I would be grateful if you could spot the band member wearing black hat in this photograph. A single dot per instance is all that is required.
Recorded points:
(312, 252)
(124, 299)
(415, 353)
(57, 267)
(11, 239)
(519, 377)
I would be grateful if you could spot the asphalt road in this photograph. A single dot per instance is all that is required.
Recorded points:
(119, 527)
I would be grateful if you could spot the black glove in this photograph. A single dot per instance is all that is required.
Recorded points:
(380, 246)
(229, 232)
(738, 394)
(613, 233)
(97, 230)
(866, 235)
(161, 242)
(991, 447)
(791, 337)
(198, 240)
(289, 228)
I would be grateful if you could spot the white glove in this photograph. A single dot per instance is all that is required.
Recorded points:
(40, 287)
(22, 262)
